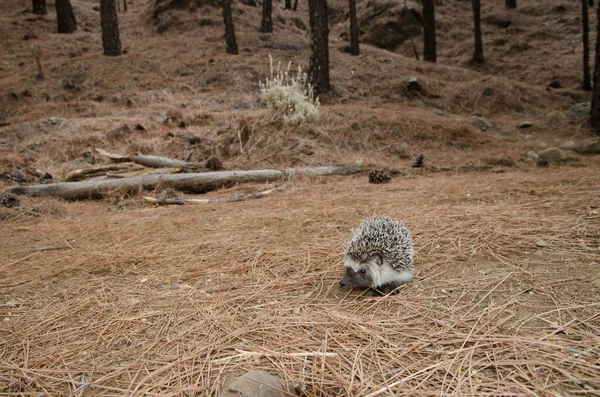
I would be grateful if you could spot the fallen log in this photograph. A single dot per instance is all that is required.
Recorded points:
(232, 199)
(189, 183)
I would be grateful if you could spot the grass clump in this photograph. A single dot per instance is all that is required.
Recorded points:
(288, 96)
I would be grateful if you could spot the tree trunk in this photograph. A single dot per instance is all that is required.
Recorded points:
(478, 54)
(229, 29)
(288, 5)
(65, 17)
(266, 25)
(591, 3)
(585, 22)
(354, 49)
(110, 28)
(39, 7)
(511, 4)
(124, 5)
(429, 45)
(595, 113)
(318, 73)
(295, 5)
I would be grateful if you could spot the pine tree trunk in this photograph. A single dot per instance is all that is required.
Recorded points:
(511, 4)
(354, 49)
(585, 22)
(109, 21)
(266, 25)
(591, 2)
(318, 70)
(295, 5)
(39, 7)
(478, 54)
(65, 17)
(288, 4)
(595, 113)
(429, 44)
(229, 29)
(124, 5)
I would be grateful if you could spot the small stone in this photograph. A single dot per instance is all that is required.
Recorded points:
(568, 145)
(541, 243)
(439, 112)
(477, 113)
(532, 156)
(526, 124)
(413, 84)
(144, 280)
(51, 121)
(483, 123)
(590, 147)
(552, 155)
(259, 384)
(579, 109)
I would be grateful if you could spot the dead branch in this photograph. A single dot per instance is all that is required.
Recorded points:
(147, 161)
(100, 170)
(239, 197)
(190, 183)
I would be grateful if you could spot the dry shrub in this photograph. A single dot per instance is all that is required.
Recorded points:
(288, 96)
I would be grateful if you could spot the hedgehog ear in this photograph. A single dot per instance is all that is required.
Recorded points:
(377, 258)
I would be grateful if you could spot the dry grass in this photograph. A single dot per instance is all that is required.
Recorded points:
(176, 301)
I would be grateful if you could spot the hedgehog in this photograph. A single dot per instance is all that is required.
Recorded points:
(379, 256)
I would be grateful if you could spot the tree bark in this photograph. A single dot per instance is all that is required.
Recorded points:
(65, 17)
(295, 5)
(124, 5)
(109, 21)
(191, 183)
(288, 5)
(39, 7)
(429, 43)
(591, 2)
(478, 54)
(266, 26)
(354, 48)
(595, 113)
(229, 29)
(585, 22)
(318, 73)
(511, 4)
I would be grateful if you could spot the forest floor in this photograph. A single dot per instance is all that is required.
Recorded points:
(115, 297)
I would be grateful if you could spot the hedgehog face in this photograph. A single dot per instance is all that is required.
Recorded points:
(360, 274)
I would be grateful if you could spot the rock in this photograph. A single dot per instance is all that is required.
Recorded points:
(568, 145)
(526, 124)
(413, 84)
(477, 113)
(258, 384)
(590, 147)
(541, 243)
(552, 155)
(482, 123)
(439, 112)
(555, 84)
(501, 22)
(532, 156)
(51, 121)
(579, 109)
(387, 24)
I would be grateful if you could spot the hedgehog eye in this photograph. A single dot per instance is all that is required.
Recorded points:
(363, 271)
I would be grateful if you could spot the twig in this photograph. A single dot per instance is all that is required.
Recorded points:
(241, 197)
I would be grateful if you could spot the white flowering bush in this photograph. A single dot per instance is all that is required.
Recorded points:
(288, 96)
